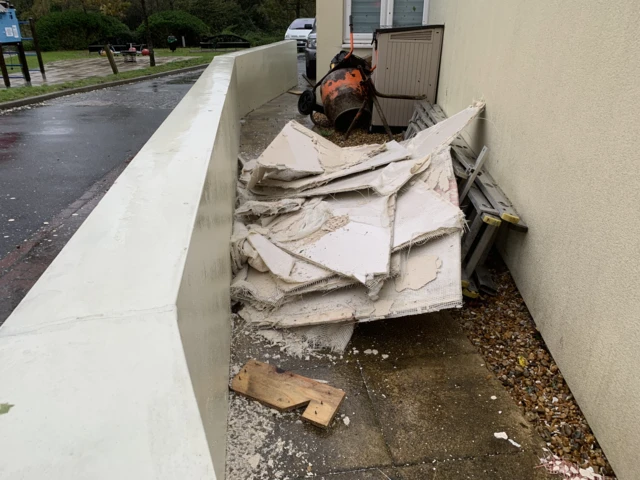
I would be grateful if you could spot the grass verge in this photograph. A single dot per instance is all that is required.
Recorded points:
(17, 93)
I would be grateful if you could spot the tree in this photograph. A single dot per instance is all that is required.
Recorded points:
(152, 57)
(174, 22)
(114, 8)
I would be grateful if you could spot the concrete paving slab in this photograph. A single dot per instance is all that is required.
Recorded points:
(354, 439)
(352, 444)
(491, 467)
(441, 408)
(432, 335)
(246, 344)
(369, 474)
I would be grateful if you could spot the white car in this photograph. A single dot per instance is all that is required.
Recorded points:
(299, 30)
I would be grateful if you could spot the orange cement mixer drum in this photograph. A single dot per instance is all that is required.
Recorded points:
(342, 96)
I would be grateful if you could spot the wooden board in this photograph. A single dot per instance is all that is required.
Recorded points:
(287, 391)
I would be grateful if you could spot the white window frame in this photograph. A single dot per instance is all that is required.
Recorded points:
(386, 20)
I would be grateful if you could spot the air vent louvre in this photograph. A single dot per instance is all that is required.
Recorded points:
(416, 35)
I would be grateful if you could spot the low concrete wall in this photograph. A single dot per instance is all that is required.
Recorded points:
(560, 83)
(116, 362)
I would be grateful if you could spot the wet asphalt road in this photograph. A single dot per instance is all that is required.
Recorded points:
(51, 154)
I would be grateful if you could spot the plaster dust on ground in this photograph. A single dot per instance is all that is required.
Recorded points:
(420, 402)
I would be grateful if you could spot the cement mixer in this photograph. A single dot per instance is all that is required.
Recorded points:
(347, 93)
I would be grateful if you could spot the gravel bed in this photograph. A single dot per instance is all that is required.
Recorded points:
(358, 136)
(503, 330)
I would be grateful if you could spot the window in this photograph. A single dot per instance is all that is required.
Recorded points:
(369, 15)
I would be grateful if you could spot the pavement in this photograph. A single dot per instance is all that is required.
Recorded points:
(78, 69)
(58, 159)
(420, 402)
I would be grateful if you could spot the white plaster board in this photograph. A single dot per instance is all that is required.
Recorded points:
(383, 181)
(354, 304)
(298, 152)
(440, 178)
(264, 290)
(354, 240)
(288, 271)
(294, 153)
(253, 208)
(256, 288)
(391, 152)
(277, 261)
(422, 214)
(443, 133)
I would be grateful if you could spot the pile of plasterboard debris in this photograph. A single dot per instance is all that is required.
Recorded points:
(327, 236)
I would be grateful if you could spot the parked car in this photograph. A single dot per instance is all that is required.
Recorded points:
(299, 30)
(310, 52)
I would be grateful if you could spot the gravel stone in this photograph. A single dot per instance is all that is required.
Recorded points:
(504, 332)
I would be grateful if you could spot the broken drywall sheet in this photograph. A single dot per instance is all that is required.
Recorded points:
(389, 229)
(385, 154)
(275, 276)
(278, 262)
(434, 216)
(294, 153)
(422, 146)
(298, 152)
(440, 178)
(256, 288)
(238, 238)
(414, 271)
(443, 133)
(353, 239)
(354, 304)
(383, 181)
(265, 290)
(254, 208)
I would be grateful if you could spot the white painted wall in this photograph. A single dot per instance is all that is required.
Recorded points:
(330, 26)
(116, 361)
(560, 83)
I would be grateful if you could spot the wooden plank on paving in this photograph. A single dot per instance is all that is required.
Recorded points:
(287, 391)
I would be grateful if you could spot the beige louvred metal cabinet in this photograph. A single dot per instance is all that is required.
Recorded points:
(408, 64)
